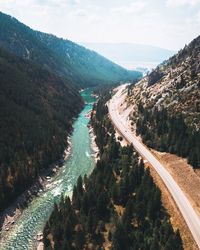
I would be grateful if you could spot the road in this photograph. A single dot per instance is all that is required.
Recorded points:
(191, 217)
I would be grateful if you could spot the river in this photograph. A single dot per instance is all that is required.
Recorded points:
(80, 162)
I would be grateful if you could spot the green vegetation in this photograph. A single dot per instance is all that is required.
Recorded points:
(40, 77)
(117, 205)
(169, 133)
(36, 111)
(74, 63)
(168, 100)
(155, 76)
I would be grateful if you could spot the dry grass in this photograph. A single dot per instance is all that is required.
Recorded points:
(50, 237)
(107, 244)
(172, 164)
(185, 176)
(119, 209)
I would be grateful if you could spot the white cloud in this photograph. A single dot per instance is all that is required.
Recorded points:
(85, 15)
(197, 18)
(78, 13)
(135, 7)
(177, 3)
(138, 21)
(194, 20)
(37, 3)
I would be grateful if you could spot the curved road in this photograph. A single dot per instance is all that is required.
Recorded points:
(191, 217)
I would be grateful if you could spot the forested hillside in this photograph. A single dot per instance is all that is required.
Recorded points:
(117, 207)
(75, 63)
(166, 105)
(40, 76)
(36, 111)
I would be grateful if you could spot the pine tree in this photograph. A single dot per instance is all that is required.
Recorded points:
(79, 239)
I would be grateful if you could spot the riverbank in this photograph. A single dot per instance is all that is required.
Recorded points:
(12, 214)
(25, 232)
(94, 147)
(94, 154)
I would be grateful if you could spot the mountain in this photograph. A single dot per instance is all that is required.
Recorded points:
(40, 77)
(130, 52)
(75, 63)
(167, 105)
(36, 112)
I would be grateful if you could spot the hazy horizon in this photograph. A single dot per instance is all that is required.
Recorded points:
(168, 24)
(127, 43)
(132, 55)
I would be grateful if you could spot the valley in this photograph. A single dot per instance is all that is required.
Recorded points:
(80, 162)
(41, 76)
(94, 155)
(109, 208)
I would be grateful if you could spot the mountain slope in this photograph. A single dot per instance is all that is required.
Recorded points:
(167, 105)
(40, 76)
(36, 111)
(71, 61)
(88, 65)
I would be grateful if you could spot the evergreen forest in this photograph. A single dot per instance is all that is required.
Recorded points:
(117, 207)
(168, 133)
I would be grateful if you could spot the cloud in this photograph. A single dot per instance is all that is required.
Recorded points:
(138, 21)
(135, 7)
(197, 18)
(177, 3)
(85, 14)
(38, 3)
(194, 21)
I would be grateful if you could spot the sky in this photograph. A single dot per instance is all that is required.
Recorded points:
(165, 23)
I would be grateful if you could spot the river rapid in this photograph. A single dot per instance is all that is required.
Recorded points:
(23, 235)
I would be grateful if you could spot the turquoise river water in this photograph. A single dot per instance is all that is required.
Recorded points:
(80, 162)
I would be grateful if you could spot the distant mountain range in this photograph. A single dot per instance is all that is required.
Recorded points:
(130, 52)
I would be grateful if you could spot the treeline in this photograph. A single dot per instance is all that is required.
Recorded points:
(168, 133)
(118, 206)
(36, 112)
